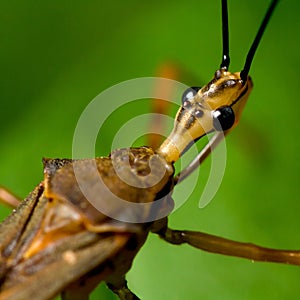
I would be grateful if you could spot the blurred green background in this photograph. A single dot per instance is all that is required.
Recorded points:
(56, 56)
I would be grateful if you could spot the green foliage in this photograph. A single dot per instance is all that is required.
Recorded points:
(56, 56)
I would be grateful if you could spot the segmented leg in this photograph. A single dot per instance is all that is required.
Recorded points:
(198, 160)
(215, 244)
(8, 198)
(121, 289)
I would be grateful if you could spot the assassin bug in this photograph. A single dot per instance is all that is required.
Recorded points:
(96, 238)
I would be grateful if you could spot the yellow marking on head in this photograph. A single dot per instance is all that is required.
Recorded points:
(196, 117)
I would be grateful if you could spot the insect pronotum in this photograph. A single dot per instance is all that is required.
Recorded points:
(56, 242)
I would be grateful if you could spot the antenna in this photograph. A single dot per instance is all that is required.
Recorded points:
(225, 59)
(254, 46)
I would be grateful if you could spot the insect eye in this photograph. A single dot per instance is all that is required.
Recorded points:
(189, 94)
(223, 118)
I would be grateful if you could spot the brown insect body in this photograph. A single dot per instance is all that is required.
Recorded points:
(88, 218)
(57, 225)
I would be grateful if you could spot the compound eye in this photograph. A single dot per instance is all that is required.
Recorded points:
(223, 118)
(189, 94)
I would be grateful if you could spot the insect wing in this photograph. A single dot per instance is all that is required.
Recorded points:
(69, 267)
(49, 271)
(12, 229)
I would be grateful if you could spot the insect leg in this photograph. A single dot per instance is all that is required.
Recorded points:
(121, 289)
(208, 148)
(160, 107)
(215, 244)
(8, 198)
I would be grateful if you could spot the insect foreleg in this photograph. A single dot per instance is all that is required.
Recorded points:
(198, 160)
(8, 198)
(215, 244)
(121, 289)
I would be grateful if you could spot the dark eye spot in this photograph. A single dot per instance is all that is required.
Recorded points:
(199, 113)
(189, 94)
(223, 118)
(187, 104)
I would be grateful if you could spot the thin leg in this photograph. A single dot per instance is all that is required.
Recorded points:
(8, 198)
(159, 106)
(208, 148)
(121, 289)
(215, 244)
